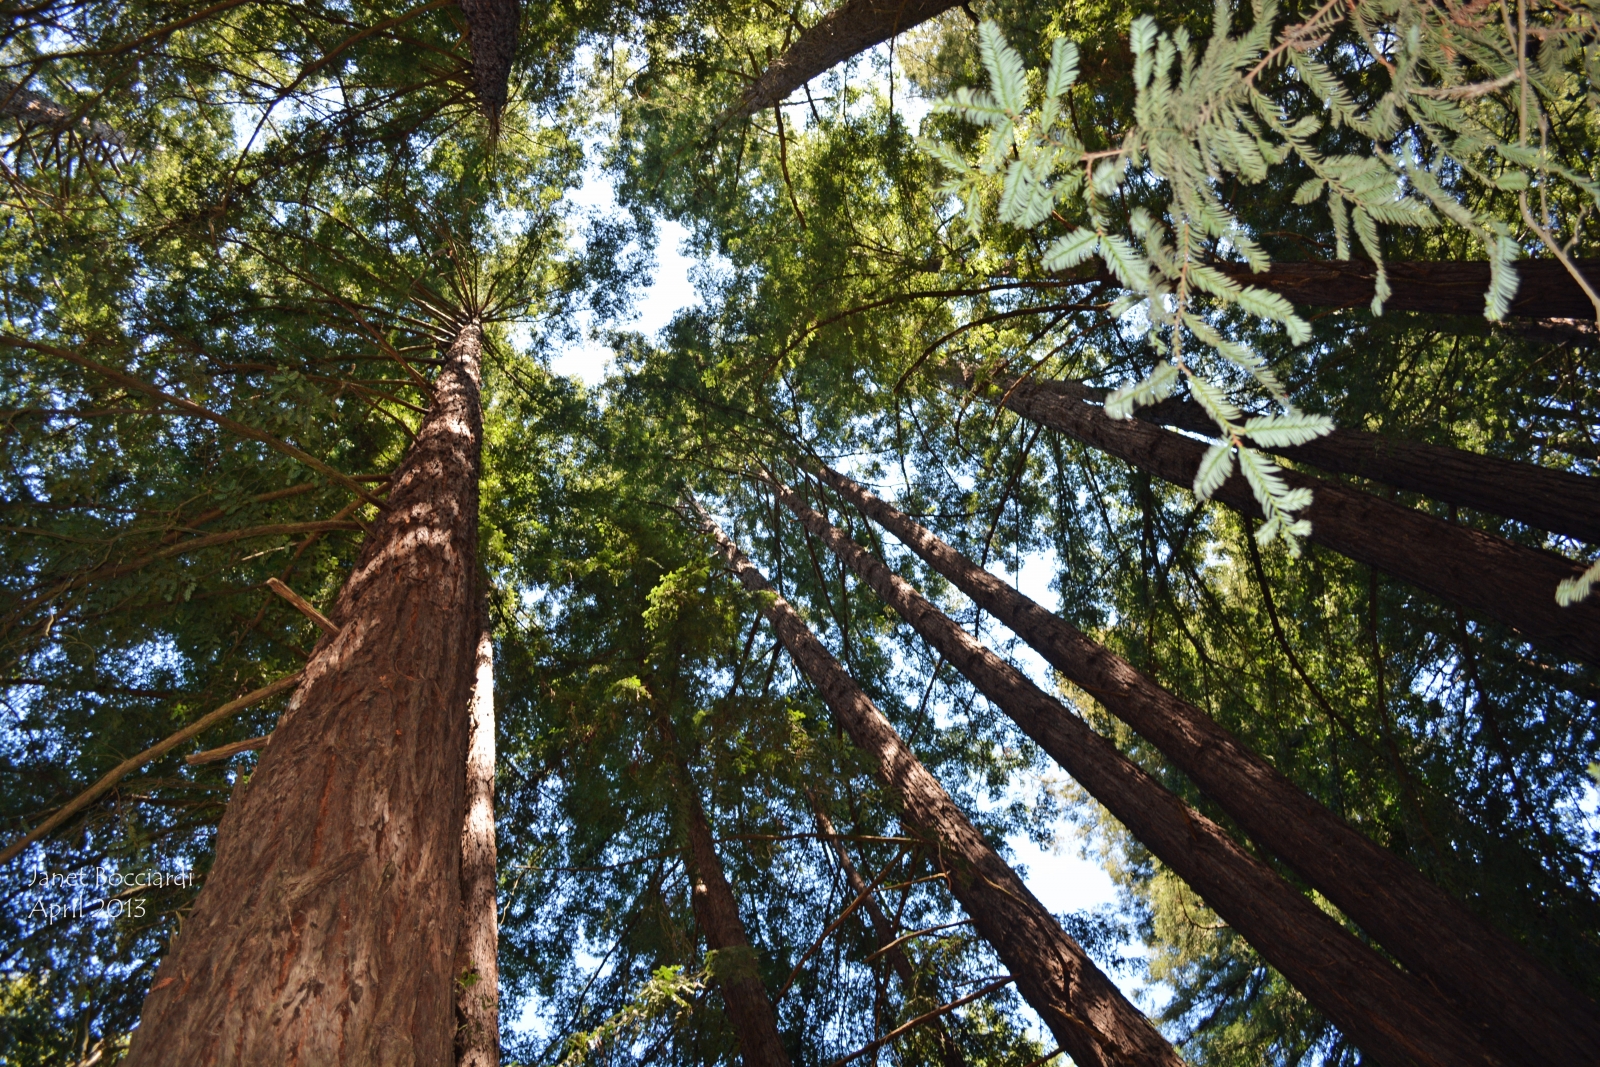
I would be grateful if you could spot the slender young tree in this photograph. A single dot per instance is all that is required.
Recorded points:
(1094, 1023)
(1389, 1013)
(1489, 977)
(328, 931)
(477, 970)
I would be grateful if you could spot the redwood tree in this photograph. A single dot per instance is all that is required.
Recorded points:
(326, 932)
(1089, 1016)
(1492, 978)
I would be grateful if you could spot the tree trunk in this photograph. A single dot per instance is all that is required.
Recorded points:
(1088, 1015)
(1545, 289)
(1487, 575)
(1558, 501)
(477, 963)
(33, 109)
(1388, 1013)
(884, 929)
(326, 932)
(1489, 977)
(838, 35)
(492, 27)
(731, 959)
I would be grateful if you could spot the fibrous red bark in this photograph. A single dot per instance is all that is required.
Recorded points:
(1088, 1015)
(477, 967)
(327, 930)
(1388, 1013)
(33, 109)
(1487, 575)
(1545, 290)
(1490, 978)
(1546, 499)
(838, 35)
(492, 27)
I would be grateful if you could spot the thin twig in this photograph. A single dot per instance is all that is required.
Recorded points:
(1004, 980)
(155, 751)
(303, 605)
(222, 752)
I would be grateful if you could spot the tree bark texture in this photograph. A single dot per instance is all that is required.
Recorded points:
(1487, 575)
(1388, 1013)
(33, 109)
(1490, 978)
(1545, 289)
(1558, 501)
(477, 960)
(327, 930)
(838, 35)
(1086, 1013)
(883, 928)
(716, 910)
(492, 27)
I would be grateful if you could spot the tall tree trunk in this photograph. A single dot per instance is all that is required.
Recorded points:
(477, 957)
(326, 932)
(731, 958)
(1558, 501)
(1488, 976)
(1391, 1015)
(838, 35)
(1487, 575)
(1451, 287)
(884, 930)
(1089, 1016)
(492, 27)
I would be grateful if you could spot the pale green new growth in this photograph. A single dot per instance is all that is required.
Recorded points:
(1205, 112)
(1573, 590)
(666, 997)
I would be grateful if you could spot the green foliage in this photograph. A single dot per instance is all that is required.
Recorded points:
(1206, 116)
(301, 192)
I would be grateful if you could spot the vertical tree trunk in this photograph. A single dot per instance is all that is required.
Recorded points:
(1391, 1015)
(492, 27)
(477, 963)
(884, 929)
(1490, 978)
(1487, 575)
(327, 930)
(1546, 499)
(1088, 1015)
(731, 957)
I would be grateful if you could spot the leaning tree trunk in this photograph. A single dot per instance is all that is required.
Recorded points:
(838, 35)
(1545, 290)
(325, 933)
(1558, 501)
(731, 958)
(1487, 575)
(1389, 1014)
(884, 929)
(477, 965)
(1089, 1017)
(1488, 976)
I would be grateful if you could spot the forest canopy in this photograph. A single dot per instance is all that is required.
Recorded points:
(377, 693)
